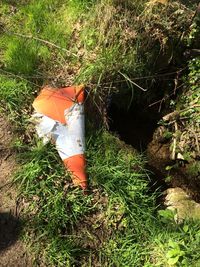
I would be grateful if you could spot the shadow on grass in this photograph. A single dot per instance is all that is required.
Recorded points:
(9, 230)
(190, 3)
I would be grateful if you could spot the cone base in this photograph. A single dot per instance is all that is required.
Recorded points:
(76, 165)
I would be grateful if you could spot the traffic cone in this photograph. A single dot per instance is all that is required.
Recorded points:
(65, 107)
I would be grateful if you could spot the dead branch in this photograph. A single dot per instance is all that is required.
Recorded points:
(196, 139)
(174, 141)
(171, 116)
(129, 80)
(42, 41)
(175, 114)
(165, 98)
(190, 107)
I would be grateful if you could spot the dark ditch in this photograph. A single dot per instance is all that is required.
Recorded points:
(136, 126)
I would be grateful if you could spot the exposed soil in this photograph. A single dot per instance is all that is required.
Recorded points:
(158, 153)
(12, 251)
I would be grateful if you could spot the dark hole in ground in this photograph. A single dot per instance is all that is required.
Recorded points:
(136, 126)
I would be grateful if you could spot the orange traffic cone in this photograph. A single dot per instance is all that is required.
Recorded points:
(62, 117)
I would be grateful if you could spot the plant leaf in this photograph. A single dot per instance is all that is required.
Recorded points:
(173, 261)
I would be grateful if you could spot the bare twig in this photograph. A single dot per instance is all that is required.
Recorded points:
(129, 80)
(196, 139)
(42, 41)
(152, 76)
(171, 116)
(17, 76)
(175, 114)
(165, 97)
(160, 106)
(174, 141)
(190, 107)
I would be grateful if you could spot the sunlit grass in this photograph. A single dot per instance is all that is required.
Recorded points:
(117, 224)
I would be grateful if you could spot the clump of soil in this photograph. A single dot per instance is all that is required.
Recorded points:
(182, 205)
(174, 171)
(12, 251)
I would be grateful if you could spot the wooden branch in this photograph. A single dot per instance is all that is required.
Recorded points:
(171, 116)
(193, 106)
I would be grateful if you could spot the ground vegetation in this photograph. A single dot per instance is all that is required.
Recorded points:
(130, 53)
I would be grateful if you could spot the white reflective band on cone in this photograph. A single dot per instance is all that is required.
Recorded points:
(44, 126)
(70, 138)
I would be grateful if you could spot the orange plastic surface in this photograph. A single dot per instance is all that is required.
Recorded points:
(76, 165)
(52, 102)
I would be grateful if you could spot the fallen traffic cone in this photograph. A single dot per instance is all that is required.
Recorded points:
(61, 115)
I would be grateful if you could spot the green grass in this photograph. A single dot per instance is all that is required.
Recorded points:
(121, 210)
(118, 223)
(57, 213)
(15, 98)
(124, 41)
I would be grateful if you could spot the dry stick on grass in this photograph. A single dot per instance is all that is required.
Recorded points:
(173, 115)
(174, 141)
(7, 73)
(43, 41)
(196, 138)
(129, 80)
